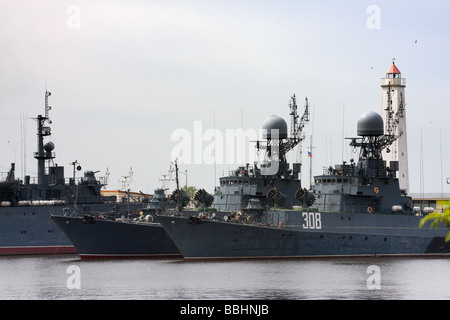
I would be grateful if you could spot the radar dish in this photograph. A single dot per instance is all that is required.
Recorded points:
(49, 146)
(370, 124)
(275, 123)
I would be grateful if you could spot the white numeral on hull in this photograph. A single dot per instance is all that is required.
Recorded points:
(312, 220)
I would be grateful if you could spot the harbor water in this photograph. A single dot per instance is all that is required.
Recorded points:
(67, 277)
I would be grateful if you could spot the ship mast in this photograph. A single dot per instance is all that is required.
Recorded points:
(296, 128)
(372, 142)
(44, 152)
(279, 144)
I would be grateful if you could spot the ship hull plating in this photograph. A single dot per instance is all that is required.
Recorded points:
(100, 239)
(309, 234)
(30, 230)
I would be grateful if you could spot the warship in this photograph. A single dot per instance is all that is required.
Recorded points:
(353, 210)
(127, 237)
(26, 205)
(141, 235)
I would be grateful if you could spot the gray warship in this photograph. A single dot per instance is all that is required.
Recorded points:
(134, 235)
(141, 235)
(353, 210)
(26, 205)
(127, 237)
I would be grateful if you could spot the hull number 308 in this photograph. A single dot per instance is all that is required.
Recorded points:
(312, 220)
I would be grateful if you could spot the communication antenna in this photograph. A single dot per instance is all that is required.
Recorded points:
(23, 133)
(47, 107)
(44, 152)
(296, 127)
(310, 153)
(78, 167)
(107, 176)
(166, 178)
(127, 179)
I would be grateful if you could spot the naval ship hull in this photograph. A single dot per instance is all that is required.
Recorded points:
(29, 230)
(100, 239)
(307, 235)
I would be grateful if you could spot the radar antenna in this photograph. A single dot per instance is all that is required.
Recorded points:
(276, 147)
(44, 153)
(47, 107)
(296, 128)
(127, 180)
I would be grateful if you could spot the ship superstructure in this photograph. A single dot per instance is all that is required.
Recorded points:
(368, 185)
(273, 182)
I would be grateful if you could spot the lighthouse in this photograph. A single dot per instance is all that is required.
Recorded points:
(394, 116)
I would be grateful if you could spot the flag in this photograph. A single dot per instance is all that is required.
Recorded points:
(309, 154)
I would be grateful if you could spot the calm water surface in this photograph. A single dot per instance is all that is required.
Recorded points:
(56, 277)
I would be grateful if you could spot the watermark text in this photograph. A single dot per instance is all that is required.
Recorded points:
(74, 280)
(373, 22)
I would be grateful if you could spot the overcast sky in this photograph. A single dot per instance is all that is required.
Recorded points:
(127, 76)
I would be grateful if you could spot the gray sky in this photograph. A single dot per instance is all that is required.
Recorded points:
(126, 75)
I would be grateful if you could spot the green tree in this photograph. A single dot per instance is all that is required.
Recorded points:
(438, 217)
(190, 191)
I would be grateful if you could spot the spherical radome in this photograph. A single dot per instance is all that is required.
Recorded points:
(370, 124)
(275, 123)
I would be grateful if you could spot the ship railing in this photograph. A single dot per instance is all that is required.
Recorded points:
(85, 200)
(45, 155)
(82, 180)
(380, 173)
(59, 202)
(67, 181)
(345, 171)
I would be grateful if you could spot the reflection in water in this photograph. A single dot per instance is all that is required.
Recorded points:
(45, 277)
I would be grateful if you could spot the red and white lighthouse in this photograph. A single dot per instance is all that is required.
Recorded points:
(393, 102)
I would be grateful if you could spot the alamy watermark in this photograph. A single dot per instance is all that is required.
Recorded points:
(74, 20)
(374, 19)
(74, 280)
(374, 280)
(232, 147)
